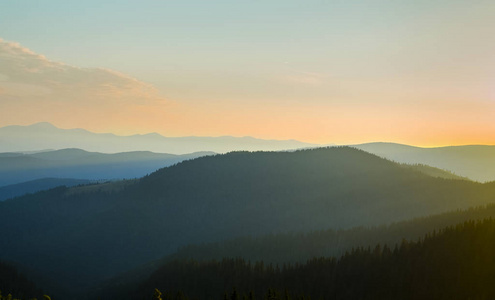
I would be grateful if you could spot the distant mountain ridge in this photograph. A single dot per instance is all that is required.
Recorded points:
(32, 186)
(476, 162)
(15, 138)
(80, 164)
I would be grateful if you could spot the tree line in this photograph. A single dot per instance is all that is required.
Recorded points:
(453, 263)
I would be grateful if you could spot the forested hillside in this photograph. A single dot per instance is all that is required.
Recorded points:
(454, 263)
(102, 232)
(16, 285)
(299, 247)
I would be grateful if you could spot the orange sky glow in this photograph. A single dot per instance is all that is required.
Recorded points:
(414, 72)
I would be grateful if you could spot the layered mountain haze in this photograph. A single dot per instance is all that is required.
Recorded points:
(101, 232)
(76, 163)
(476, 162)
(46, 136)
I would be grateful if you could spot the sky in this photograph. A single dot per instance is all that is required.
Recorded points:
(345, 72)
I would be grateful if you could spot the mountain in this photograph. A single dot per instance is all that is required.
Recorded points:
(102, 231)
(77, 163)
(19, 189)
(46, 136)
(476, 162)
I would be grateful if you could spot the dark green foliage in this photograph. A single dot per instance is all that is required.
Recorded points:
(101, 233)
(456, 263)
(15, 284)
(299, 247)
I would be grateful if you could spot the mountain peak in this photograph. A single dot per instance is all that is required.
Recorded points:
(43, 125)
(45, 135)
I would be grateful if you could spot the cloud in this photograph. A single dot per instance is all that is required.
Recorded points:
(24, 73)
(34, 88)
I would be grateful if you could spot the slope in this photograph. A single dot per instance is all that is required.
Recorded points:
(476, 162)
(19, 189)
(295, 247)
(434, 172)
(455, 263)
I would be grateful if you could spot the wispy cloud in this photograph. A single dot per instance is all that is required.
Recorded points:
(24, 73)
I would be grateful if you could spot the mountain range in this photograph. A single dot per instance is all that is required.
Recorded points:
(76, 163)
(102, 230)
(476, 162)
(44, 135)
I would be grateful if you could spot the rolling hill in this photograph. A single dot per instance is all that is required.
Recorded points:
(102, 232)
